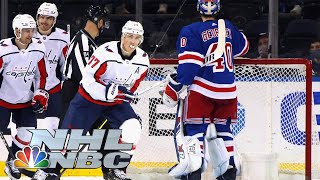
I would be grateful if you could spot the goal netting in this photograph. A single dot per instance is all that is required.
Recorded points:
(274, 116)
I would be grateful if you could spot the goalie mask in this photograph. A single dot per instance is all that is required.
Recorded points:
(208, 7)
(47, 9)
(22, 21)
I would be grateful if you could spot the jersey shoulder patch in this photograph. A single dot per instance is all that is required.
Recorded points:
(145, 54)
(183, 41)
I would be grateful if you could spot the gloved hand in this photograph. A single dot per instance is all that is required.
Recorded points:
(171, 91)
(113, 90)
(124, 90)
(40, 100)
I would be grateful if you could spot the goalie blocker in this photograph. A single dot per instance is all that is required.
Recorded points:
(171, 91)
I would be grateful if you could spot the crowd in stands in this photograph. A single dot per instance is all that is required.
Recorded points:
(299, 21)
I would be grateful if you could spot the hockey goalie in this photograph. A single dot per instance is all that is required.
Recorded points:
(206, 52)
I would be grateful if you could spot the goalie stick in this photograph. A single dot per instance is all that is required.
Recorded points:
(221, 44)
(23, 171)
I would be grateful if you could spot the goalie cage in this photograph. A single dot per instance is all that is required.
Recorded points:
(274, 116)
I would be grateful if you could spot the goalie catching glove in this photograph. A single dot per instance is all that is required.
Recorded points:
(40, 101)
(171, 92)
(112, 91)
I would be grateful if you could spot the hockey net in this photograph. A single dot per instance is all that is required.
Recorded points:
(274, 116)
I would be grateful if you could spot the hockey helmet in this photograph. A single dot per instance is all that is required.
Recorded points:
(208, 7)
(22, 21)
(96, 13)
(133, 27)
(48, 9)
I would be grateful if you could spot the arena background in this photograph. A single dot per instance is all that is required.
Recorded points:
(289, 34)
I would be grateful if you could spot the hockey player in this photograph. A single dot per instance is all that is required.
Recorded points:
(206, 50)
(115, 69)
(80, 50)
(22, 90)
(56, 42)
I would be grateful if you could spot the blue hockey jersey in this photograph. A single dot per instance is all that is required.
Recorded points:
(197, 41)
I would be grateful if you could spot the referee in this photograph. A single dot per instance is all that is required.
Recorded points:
(80, 50)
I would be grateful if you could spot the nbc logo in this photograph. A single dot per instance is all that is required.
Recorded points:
(31, 158)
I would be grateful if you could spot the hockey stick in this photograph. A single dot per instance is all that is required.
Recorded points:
(221, 44)
(80, 150)
(23, 171)
(154, 85)
(138, 94)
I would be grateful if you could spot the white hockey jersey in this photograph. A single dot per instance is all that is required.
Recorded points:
(21, 71)
(56, 45)
(108, 65)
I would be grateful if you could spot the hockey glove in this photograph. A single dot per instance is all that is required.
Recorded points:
(40, 101)
(124, 90)
(112, 90)
(171, 92)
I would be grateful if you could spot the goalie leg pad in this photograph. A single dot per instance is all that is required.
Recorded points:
(189, 149)
(190, 156)
(131, 131)
(217, 150)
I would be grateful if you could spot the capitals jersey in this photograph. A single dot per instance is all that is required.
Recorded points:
(21, 71)
(56, 44)
(107, 65)
(196, 42)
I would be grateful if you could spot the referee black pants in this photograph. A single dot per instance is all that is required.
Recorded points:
(69, 90)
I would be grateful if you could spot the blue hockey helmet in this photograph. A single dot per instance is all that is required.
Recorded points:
(208, 7)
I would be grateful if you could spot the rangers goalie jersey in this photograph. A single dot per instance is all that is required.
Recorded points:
(196, 42)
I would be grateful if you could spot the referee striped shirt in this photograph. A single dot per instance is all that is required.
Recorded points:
(80, 50)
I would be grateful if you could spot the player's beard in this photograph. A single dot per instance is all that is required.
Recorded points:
(44, 27)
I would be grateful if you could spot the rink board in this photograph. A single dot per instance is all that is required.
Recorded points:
(164, 144)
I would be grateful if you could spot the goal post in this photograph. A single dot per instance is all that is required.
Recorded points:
(274, 115)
